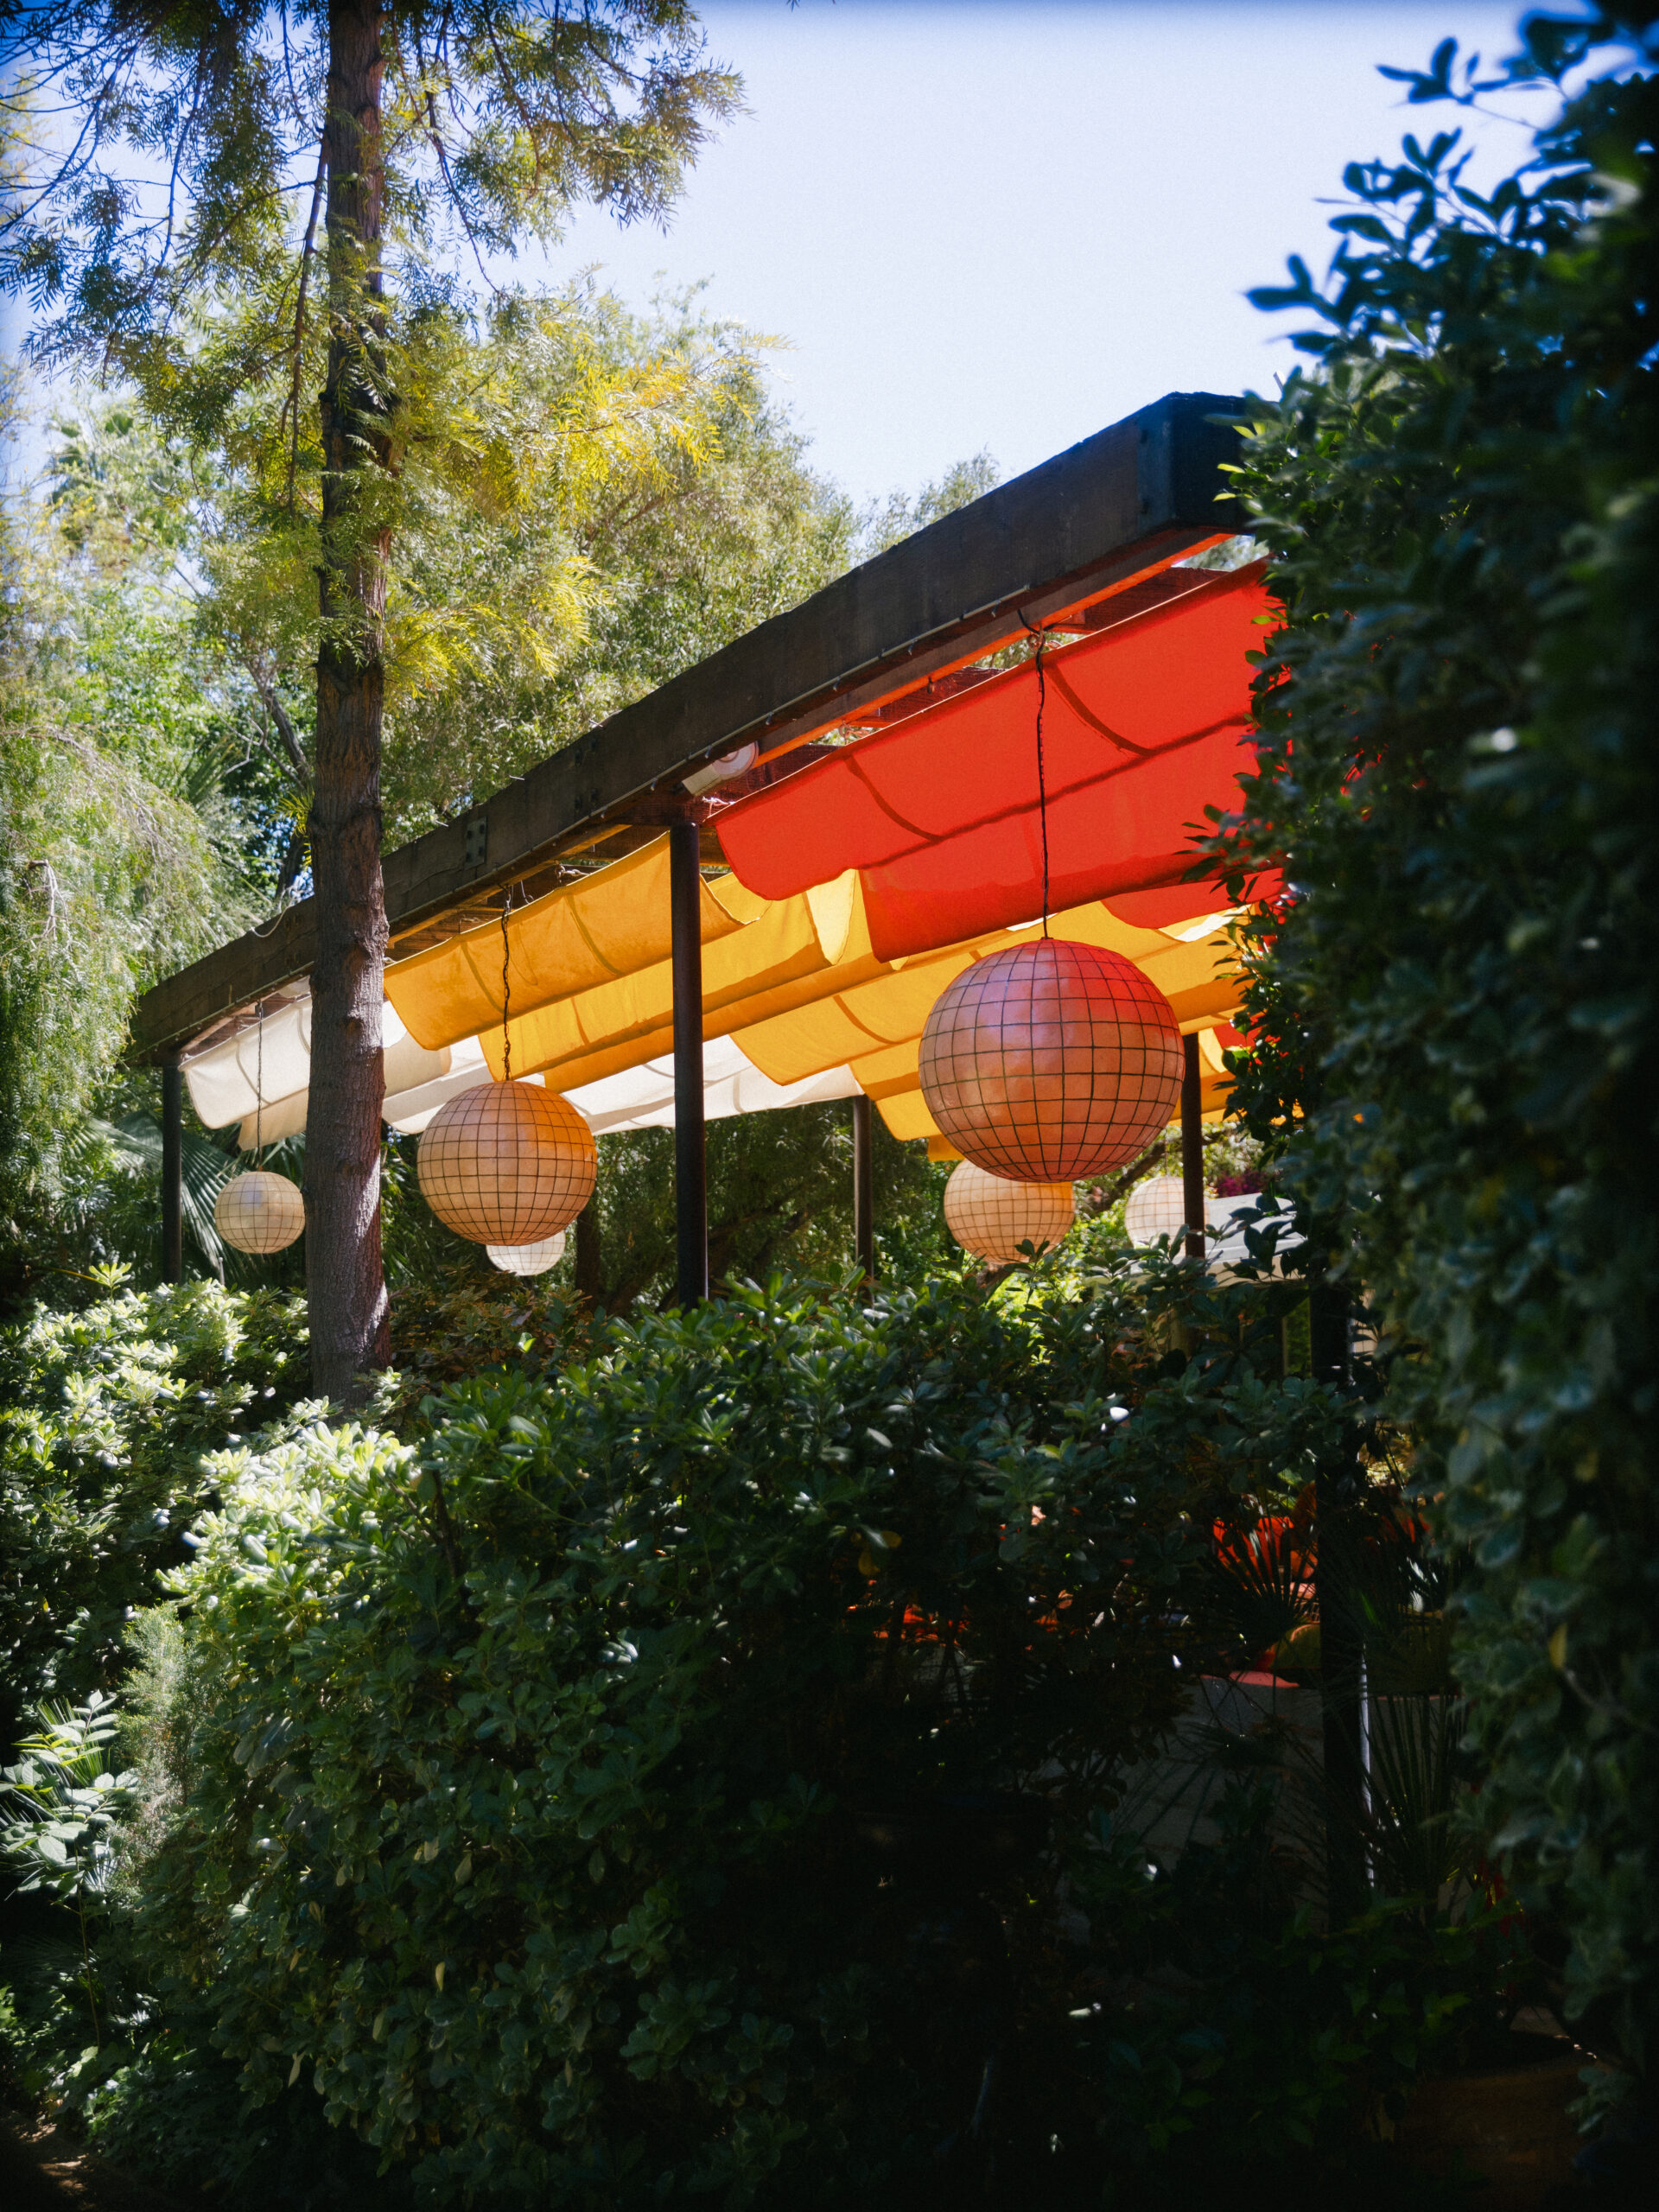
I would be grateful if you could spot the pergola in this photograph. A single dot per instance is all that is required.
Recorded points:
(869, 782)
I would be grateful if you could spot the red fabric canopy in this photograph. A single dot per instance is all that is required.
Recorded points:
(1143, 727)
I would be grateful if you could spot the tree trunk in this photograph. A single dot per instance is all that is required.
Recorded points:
(347, 1290)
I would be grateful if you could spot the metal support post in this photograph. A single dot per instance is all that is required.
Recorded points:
(863, 1193)
(1341, 1650)
(172, 1172)
(690, 1161)
(1193, 1149)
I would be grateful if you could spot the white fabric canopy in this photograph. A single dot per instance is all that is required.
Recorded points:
(222, 1082)
(271, 1061)
(638, 1098)
(272, 1058)
(643, 1097)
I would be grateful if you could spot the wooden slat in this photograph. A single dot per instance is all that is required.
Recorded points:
(1139, 492)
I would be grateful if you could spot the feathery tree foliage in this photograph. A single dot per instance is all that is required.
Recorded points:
(123, 855)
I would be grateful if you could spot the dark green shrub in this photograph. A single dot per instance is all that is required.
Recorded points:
(1462, 501)
(1233, 2045)
(536, 1776)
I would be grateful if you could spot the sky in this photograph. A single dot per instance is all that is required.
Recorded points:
(999, 224)
(1002, 224)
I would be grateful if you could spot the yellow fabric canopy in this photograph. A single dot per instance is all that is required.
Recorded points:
(794, 981)
(863, 1017)
(791, 951)
(611, 923)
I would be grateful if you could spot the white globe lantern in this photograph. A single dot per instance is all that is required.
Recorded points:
(1155, 1208)
(992, 1215)
(259, 1212)
(528, 1259)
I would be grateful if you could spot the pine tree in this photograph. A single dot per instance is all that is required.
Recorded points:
(164, 154)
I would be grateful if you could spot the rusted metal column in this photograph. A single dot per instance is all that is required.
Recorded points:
(1193, 1149)
(690, 1158)
(863, 1193)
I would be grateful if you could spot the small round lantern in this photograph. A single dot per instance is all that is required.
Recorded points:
(259, 1212)
(1155, 1208)
(528, 1259)
(1050, 1060)
(992, 1217)
(506, 1163)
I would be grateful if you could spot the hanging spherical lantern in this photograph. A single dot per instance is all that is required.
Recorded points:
(506, 1163)
(259, 1212)
(528, 1259)
(1155, 1208)
(993, 1217)
(1050, 1061)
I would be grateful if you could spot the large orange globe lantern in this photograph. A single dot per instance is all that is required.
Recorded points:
(1049, 1061)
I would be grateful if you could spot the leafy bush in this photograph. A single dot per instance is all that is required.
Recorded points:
(1462, 501)
(104, 1415)
(548, 1782)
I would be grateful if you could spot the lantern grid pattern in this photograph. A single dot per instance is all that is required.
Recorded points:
(506, 1163)
(1155, 1208)
(992, 1217)
(259, 1212)
(528, 1259)
(1050, 1060)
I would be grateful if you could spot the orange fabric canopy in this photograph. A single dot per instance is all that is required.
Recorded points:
(1143, 727)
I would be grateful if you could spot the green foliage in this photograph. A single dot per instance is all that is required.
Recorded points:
(676, 506)
(107, 1412)
(496, 121)
(67, 1808)
(1462, 501)
(901, 514)
(780, 1195)
(65, 1803)
(120, 860)
(513, 1754)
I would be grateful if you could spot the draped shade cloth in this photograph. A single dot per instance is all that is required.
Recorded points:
(758, 956)
(1143, 727)
(271, 1062)
(873, 1025)
(604, 926)
(641, 1097)
(861, 886)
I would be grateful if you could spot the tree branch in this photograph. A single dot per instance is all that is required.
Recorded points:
(299, 321)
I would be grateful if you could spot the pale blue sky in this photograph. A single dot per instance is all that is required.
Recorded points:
(987, 224)
(1002, 224)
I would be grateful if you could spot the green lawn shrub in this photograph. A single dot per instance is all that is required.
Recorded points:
(105, 1413)
(1232, 2045)
(529, 1780)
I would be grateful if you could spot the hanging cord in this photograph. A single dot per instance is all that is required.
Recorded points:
(1042, 787)
(258, 1083)
(506, 991)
